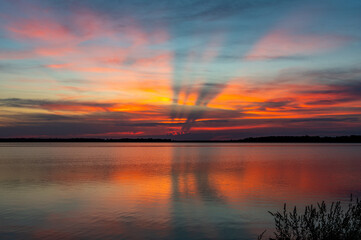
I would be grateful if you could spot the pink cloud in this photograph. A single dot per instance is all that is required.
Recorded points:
(294, 36)
(40, 29)
(60, 38)
(79, 26)
(284, 43)
(58, 66)
(158, 62)
(54, 51)
(139, 37)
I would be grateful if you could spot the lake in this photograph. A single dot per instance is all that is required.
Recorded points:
(165, 190)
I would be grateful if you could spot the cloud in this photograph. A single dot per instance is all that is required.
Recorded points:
(294, 38)
(41, 30)
(15, 54)
(281, 44)
(133, 58)
(58, 105)
(279, 104)
(208, 92)
(188, 80)
(83, 37)
(46, 25)
(339, 83)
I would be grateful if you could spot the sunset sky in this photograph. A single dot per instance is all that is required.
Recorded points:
(180, 69)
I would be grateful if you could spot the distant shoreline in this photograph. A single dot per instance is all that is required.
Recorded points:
(268, 139)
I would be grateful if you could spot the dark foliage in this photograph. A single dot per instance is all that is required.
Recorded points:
(83, 140)
(304, 139)
(319, 222)
(270, 139)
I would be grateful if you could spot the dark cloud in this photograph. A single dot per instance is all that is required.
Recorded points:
(323, 87)
(330, 102)
(57, 125)
(184, 10)
(208, 92)
(38, 118)
(74, 80)
(335, 74)
(321, 76)
(55, 129)
(14, 68)
(327, 119)
(202, 111)
(4, 67)
(215, 10)
(51, 125)
(40, 103)
(280, 58)
(328, 126)
(350, 88)
(278, 104)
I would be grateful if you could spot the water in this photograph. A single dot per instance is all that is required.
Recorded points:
(164, 190)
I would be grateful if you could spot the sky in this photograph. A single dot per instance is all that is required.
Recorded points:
(179, 69)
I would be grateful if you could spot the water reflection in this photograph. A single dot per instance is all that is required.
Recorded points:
(164, 190)
(198, 211)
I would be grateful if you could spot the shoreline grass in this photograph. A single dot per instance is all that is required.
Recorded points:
(318, 222)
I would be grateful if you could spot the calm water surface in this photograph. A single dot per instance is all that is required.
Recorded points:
(164, 190)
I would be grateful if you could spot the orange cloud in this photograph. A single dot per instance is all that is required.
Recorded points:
(58, 66)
